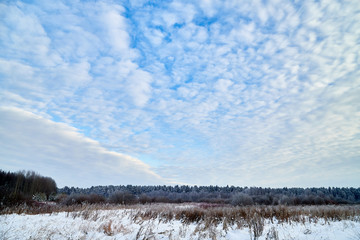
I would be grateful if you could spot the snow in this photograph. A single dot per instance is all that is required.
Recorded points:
(122, 224)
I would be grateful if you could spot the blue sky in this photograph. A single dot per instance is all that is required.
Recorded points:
(247, 93)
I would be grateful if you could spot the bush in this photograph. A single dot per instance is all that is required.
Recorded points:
(81, 199)
(60, 198)
(40, 197)
(122, 198)
(241, 199)
(145, 199)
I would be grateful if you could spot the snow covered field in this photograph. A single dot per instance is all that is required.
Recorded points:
(138, 223)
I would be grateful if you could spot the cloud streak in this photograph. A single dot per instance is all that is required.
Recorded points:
(32, 142)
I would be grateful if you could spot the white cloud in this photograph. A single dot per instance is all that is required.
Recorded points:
(209, 7)
(222, 85)
(117, 30)
(23, 36)
(139, 87)
(32, 142)
(14, 70)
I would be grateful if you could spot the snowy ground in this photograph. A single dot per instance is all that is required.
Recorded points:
(122, 224)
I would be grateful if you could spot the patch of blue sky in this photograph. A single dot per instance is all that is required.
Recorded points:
(157, 4)
(204, 21)
(86, 130)
(55, 117)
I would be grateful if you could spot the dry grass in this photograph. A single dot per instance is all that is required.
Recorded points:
(205, 215)
(209, 220)
(56, 208)
(252, 217)
(108, 229)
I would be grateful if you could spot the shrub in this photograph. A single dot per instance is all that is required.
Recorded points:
(40, 197)
(122, 198)
(60, 198)
(241, 199)
(81, 199)
(256, 225)
(145, 199)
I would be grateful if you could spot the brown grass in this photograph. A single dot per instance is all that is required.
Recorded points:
(108, 229)
(207, 219)
(195, 213)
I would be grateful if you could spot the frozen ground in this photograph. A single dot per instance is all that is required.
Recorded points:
(123, 224)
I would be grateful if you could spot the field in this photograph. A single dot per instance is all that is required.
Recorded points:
(180, 221)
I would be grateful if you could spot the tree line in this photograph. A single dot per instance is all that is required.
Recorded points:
(220, 195)
(22, 186)
(18, 187)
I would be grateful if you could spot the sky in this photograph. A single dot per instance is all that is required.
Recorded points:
(208, 92)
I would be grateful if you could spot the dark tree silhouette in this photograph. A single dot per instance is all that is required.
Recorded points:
(22, 186)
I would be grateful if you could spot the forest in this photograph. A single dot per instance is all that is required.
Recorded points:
(221, 195)
(30, 187)
(19, 187)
